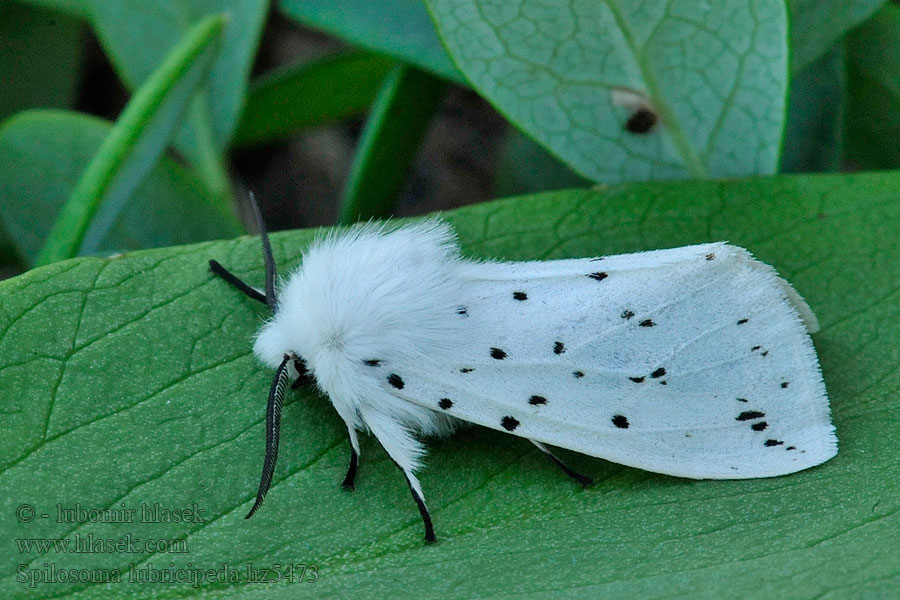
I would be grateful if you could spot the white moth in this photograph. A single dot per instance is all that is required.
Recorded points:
(693, 361)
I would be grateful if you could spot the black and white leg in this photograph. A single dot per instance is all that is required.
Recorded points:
(584, 480)
(349, 480)
(405, 451)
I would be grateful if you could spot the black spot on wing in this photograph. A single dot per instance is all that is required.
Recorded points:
(396, 381)
(520, 296)
(445, 403)
(509, 423)
(748, 415)
(559, 348)
(536, 400)
(620, 421)
(498, 354)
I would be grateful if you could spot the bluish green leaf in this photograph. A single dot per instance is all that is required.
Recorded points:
(398, 28)
(136, 142)
(133, 382)
(572, 74)
(42, 156)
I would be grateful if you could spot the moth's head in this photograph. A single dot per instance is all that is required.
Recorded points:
(274, 342)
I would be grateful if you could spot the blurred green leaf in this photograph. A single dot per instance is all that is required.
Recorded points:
(814, 133)
(873, 113)
(138, 34)
(571, 75)
(525, 168)
(42, 155)
(74, 8)
(40, 58)
(817, 24)
(311, 94)
(401, 115)
(136, 142)
(398, 28)
(134, 383)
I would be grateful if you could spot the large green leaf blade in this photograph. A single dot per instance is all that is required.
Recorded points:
(571, 74)
(42, 155)
(134, 383)
(397, 28)
(136, 141)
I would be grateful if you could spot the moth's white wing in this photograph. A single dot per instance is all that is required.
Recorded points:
(694, 361)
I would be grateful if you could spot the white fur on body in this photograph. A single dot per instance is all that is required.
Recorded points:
(393, 323)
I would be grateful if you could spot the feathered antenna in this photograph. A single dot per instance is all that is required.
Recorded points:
(273, 427)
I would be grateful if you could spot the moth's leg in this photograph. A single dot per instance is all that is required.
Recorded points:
(348, 483)
(584, 480)
(234, 280)
(303, 375)
(405, 451)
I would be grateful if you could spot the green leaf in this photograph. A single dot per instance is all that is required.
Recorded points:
(136, 142)
(310, 94)
(398, 28)
(571, 74)
(42, 155)
(137, 35)
(399, 119)
(873, 114)
(817, 24)
(40, 57)
(73, 8)
(134, 383)
(815, 125)
(525, 167)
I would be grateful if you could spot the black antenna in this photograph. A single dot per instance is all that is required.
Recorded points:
(267, 254)
(273, 426)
